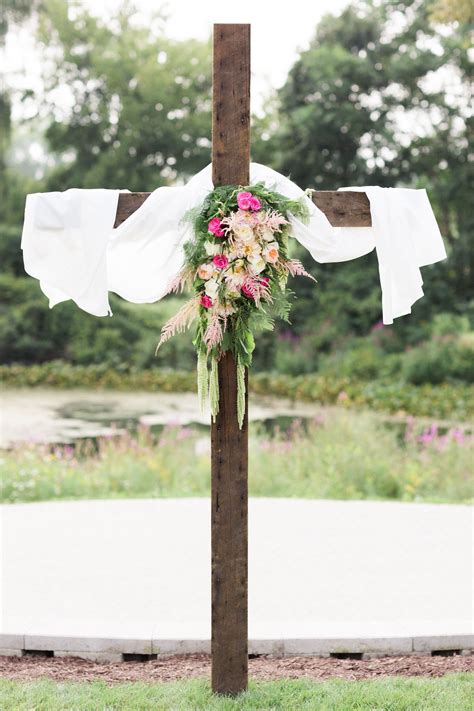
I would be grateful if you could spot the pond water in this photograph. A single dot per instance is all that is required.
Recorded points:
(64, 416)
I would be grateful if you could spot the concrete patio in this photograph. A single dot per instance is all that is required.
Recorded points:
(101, 579)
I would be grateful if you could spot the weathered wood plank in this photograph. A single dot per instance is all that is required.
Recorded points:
(347, 208)
(229, 444)
(343, 209)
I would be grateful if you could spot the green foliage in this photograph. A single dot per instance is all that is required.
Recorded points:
(440, 360)
(364, 104)
(448, 400)
(140, 101)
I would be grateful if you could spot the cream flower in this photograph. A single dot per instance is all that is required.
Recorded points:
(205, 271)
(211, 249)
(244, 232)
(257, 265)
(251, 250)
(211, 288)
(234, 253)
(237, 274)
(267, 235)
(270, 253)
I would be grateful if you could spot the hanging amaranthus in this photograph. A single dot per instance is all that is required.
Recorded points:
(237, 266)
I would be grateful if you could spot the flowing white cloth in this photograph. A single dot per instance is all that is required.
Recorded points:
(69, 243)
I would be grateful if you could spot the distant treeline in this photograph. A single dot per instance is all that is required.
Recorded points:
(362, 105)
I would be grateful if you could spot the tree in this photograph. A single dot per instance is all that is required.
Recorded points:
(381, 97)
(139, 103)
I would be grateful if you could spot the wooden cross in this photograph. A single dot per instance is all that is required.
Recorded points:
(229, 455)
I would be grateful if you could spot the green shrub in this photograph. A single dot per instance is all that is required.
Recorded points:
(443, 358)
(360, 358)
(447, 400)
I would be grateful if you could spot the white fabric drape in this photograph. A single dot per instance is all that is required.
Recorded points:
(69, 243)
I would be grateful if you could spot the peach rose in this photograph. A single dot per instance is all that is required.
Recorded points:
(270, 253)
(205, 271)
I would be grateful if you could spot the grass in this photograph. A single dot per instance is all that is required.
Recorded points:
(452, 692)
(341, 455)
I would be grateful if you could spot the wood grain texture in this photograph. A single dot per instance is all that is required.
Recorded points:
(229, 444)
(343, 209)
(231, 105)
(229, 536)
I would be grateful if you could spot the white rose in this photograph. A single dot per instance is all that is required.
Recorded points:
(267, 235)
(211, 288)
(251, 250)
(244, 232)
(257, 265)
(238, 267)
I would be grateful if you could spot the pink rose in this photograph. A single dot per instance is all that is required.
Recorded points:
(255, 203)
(248, 289)
(214, 227)
(220, 261)
(244, 200)
(206, 301)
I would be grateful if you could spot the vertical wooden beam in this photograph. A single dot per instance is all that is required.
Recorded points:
(229, 529)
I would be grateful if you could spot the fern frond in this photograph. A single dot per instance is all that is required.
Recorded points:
(281, 305)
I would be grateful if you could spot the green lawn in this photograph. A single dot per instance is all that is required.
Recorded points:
(340, 455)
(450, 693)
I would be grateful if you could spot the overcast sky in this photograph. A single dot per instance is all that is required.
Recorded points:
(279, 31)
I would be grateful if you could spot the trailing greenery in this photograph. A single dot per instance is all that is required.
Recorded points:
(337, 455)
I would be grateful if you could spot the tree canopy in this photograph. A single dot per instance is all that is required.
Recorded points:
(380, 96)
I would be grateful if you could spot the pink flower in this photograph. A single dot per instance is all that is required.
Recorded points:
(249, 290)
(265, 281)
(206, 301)
(214, 227)
(255, 203)
(220, 261)
(244, 200)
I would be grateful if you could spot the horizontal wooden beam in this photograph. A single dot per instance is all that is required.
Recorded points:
(346, 208)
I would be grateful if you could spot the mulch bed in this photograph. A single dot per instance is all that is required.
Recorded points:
(187, 666)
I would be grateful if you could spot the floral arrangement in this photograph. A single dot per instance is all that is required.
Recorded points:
(237, 267)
